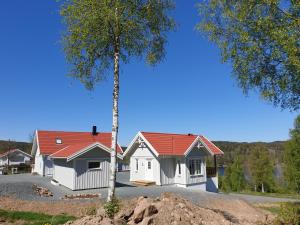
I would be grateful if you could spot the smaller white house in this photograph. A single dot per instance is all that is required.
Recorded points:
(14, 157)
(173, 159)
(77, 160)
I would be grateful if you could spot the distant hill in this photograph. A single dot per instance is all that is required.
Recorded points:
(7, 145)
(231, 149)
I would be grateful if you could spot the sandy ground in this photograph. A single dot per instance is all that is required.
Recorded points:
(217, 211)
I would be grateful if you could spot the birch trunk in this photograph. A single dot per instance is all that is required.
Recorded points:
(115, 124)
(262, 188)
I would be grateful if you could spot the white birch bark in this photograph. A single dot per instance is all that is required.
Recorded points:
(115, 125)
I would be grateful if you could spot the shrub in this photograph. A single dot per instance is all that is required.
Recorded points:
(112, 207)
(289, 214)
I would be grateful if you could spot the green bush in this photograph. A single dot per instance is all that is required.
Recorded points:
(112, 207)
(289, 214)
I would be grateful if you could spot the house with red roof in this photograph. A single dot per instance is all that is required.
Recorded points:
(14, 157)
(173, 159)
(77, 160)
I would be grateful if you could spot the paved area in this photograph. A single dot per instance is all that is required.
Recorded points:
(20, 186)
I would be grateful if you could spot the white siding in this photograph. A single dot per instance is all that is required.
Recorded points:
(143, 154)
(87, 179)
(96, 178)
(38, 163)
(196, 154)
(168, 169)
(64, 173)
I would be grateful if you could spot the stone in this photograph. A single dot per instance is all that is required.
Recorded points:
(147, 221)
(150, 210)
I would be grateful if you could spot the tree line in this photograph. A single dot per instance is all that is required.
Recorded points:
(256, 171)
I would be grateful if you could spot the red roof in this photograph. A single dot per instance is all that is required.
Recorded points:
(177, 144)
(71, 140)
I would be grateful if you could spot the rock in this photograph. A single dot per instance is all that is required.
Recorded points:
(139, 211)
(106, 221)
(120, 221)
(126, 215)
(147, 221)
(181, 205)
(150, 210)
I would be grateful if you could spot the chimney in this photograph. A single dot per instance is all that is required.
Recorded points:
(94, 132)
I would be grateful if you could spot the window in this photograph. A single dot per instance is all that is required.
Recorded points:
(195, 167)
(136, 164)
(179, 167)
(58, 141)
(94, 165)
(149, 165)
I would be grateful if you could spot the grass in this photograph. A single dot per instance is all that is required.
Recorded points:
(31, 218)
(275, 210)
(275, 195)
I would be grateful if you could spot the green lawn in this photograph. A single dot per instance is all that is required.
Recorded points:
(275, 195)
(31, 218)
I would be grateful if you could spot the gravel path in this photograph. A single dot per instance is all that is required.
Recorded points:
(20, 186)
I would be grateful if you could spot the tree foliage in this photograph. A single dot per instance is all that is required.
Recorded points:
(261, 169)
(262, 41)
(94, 26)
(292, 158)
(234, 179)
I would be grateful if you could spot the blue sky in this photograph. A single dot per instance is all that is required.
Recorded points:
(191, 91)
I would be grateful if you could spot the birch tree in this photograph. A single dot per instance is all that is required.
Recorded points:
(261, 39)
(102, 33)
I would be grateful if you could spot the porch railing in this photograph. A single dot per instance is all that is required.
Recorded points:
(211, 171)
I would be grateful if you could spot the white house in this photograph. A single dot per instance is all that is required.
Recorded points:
(48, 143)
(173, 159)
(14, 157)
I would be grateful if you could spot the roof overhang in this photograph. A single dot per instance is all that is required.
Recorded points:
(134, 141)
(83, 151)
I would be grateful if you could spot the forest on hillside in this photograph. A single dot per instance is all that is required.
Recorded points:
(8, 145)
(231, 149)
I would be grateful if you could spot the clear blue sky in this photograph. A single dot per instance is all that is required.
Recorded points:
(190, 92)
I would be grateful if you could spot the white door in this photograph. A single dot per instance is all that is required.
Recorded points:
(149, 169)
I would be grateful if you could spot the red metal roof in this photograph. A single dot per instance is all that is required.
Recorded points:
(176, 144)
(48, 145)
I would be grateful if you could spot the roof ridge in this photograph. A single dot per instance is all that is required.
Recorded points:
(186, 134)
(61, 131)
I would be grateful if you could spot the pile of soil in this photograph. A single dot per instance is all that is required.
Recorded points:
(174, 210)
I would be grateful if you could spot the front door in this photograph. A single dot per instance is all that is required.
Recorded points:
(149, 170)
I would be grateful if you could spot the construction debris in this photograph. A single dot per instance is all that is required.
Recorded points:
(81, 196)
(41, 191)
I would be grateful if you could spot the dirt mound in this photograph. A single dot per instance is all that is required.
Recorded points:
(174, 210)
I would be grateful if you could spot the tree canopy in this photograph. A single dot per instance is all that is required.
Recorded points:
(261, 168)
(93, 27)
(292, 158)
(262, 41)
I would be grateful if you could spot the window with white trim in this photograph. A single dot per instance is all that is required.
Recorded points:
(179, 167)
(94, 165)
(136, 164)
(195, 166)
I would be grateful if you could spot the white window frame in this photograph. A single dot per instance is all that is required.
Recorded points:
(136, 165)
(179, 167)
(196, 162)
(90, 169)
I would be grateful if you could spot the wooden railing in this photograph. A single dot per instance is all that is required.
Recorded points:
(211, 172)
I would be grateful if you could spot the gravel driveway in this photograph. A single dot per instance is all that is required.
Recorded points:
(20, 186)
